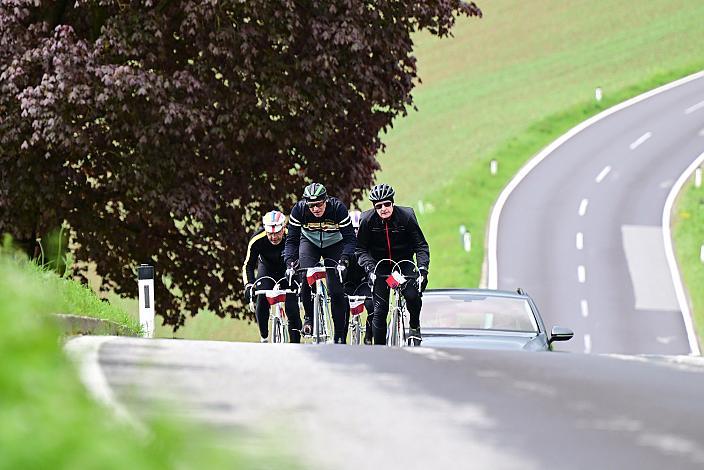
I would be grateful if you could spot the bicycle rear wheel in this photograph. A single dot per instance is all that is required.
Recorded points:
(276, 333)
(355, 331)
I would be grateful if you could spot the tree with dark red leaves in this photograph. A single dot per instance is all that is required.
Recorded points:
(160, 131)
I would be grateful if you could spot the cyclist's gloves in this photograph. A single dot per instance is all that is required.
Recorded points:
(424, 282)
(248, 293)
(371, 278)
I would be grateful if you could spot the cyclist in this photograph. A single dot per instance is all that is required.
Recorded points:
(390, 231)
(357, 284)
(265, 251)
(320, 227)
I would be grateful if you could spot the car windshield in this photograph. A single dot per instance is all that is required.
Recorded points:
(477, 312)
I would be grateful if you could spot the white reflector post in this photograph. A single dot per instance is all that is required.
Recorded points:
(698, 177)
(598, 94)
(146, 299)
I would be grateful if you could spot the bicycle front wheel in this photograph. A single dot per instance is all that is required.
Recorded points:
(276, 334)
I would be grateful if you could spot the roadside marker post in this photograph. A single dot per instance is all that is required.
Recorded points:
(493, 166)
(598, 94)
(145, 275)
(698, 177)
(701, 254)
(467, 238)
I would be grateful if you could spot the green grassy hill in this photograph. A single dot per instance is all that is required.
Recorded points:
(524, 63)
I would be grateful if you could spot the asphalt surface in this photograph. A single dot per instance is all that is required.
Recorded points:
(582, 233)
(346, 407)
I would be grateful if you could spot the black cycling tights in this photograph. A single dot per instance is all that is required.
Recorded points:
(309, 255)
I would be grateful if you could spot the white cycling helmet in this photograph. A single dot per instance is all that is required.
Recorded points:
(355, 216)
(273, 221)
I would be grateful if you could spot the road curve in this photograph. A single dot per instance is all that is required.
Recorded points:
(344, 407)
(582, 231)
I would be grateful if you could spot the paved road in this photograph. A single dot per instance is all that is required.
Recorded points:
(345, 407)
(582, 233)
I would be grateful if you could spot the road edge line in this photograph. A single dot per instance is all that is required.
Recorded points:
(83, 351)
(492, 255)
(670, 254)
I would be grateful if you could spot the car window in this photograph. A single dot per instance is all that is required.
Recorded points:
(478, 312)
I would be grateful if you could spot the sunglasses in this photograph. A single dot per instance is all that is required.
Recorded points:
(316, 205)
(379, 205)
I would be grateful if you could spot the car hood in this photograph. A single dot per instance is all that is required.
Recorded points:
(478, 339)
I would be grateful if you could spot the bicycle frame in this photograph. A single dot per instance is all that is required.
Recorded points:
(278, 321)
(396, 328)
(322, 315)
(356, 326)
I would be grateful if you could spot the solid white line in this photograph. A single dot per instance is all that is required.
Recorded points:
(493, 229)
(640, 140)
(584, 307)
(581, 274)
(697, 106)
(603, 174)
(579, 241)
(583, 207)
(670, 253)
(84, 352)
(587, 344)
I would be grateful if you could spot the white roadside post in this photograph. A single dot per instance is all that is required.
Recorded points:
(421, 207)
(701, 253)
(493, 166)
(467, 242)
(145, 275)
(697, 177)
(598, 94)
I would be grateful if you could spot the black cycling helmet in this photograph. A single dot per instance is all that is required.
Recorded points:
(315, 192)
(382, 192)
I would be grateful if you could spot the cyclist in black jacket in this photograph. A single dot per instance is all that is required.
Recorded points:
(265, 252)
(389, 231)
(357, 283)
(320, 227)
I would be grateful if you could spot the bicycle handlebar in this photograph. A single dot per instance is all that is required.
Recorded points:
(396, 266)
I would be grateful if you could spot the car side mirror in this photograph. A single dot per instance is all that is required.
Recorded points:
(559, 333)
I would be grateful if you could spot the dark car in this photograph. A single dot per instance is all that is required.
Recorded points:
(485, 319)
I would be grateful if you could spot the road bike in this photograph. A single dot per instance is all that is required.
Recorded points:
(396, 334)
(356, 326)
(323, 331)
(276, 298)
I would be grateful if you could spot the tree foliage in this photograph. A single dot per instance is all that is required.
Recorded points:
(159, 131)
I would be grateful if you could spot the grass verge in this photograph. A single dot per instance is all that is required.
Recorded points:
(688, 234)
(47, 419)
(468, 196)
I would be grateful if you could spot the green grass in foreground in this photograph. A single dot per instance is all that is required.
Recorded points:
(688, 233)
(47, 419)
(485, 89)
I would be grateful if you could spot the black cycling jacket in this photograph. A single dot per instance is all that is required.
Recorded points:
(261, 249)
(405, 238)
(334, 226)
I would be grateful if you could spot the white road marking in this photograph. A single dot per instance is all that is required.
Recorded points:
(640, 140)
(696, 107)
(653, 288)
(490, 275)
(603, 174)
(587, 344)
(581, 274)
(584, 306)
(579, 240)
(583, 207)
(670, 253)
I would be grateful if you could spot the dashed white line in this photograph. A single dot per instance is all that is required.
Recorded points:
(581, 274)
(584, 307)
(579, 240)
(583, 207)
(640, 140)
(696, 107)
(603, 174)
(587, 344)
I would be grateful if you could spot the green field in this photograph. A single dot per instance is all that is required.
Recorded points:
(509, 83)
(688, 233)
